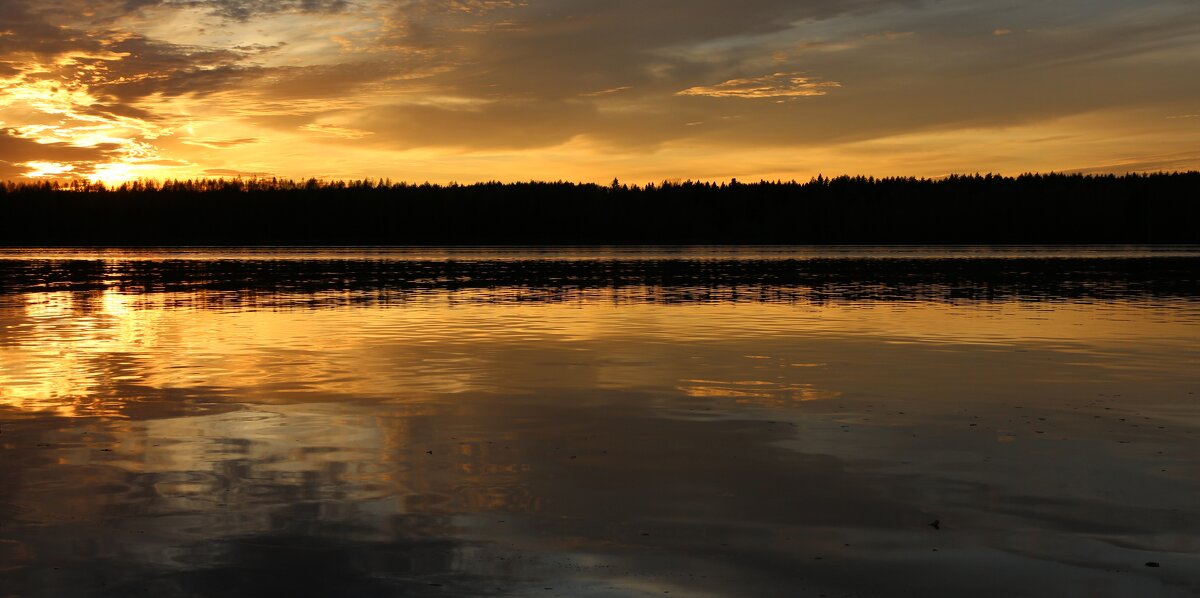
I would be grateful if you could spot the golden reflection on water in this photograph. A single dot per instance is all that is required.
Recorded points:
(82, 353)
(759, 392)
(162, 432)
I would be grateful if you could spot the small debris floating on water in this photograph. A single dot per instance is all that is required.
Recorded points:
(937, 524)
(1152, 564)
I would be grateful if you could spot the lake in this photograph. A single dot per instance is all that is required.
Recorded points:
(760, 421)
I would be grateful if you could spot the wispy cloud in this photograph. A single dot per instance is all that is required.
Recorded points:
(775, 86)
(230, 172)
(220, 143)
(605, 92)
(336, 131)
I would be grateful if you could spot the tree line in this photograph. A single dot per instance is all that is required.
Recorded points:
(970, 209)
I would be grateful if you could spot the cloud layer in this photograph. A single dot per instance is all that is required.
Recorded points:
(589, 89)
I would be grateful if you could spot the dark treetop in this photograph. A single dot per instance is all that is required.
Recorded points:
(1054, 208)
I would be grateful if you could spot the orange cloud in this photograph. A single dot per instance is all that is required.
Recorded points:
(778, 85)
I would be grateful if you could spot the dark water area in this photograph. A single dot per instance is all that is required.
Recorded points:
(766, 421)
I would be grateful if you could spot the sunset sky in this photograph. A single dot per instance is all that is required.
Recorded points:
(588, 90)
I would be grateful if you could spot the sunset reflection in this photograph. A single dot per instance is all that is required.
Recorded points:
(626, 439)
(112, 347)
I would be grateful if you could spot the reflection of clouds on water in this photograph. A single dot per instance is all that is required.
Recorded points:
(187, 443)
(102, 352)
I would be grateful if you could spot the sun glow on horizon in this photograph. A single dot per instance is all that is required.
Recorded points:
(114, 174)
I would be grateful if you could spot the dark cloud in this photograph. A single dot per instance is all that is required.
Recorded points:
(560, 49)
(106, 11)
(120, 66)
(16, 151)
(557, 56)
(121, 111)
(244, 10)
(28, 32)
(14, 148)
(949, 74)
(180, 82)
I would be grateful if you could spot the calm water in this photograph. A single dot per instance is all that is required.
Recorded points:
(705, 422)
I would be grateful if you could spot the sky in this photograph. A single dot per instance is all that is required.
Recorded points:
(591, 90)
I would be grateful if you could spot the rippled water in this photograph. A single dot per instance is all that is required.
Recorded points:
(703, 422)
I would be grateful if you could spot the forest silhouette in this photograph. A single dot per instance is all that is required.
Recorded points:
(1031, 208)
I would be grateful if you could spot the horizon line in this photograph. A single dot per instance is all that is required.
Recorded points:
(76, 183)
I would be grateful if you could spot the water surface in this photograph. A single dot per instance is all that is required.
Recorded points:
(600, 422)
